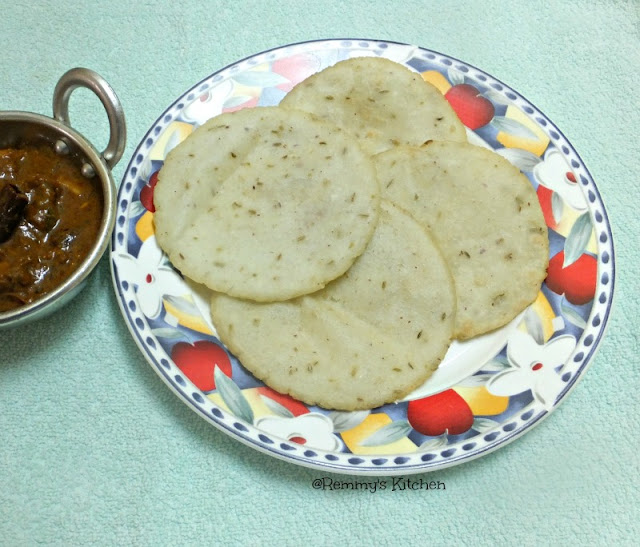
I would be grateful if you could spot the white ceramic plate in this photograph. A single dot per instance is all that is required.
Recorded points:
(487, 391)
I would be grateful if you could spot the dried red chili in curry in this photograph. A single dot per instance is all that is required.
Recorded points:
(50, 215)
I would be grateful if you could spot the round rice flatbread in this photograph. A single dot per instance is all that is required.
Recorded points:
(266, 204)
(368, 338)
(383, 103)
(486, 218)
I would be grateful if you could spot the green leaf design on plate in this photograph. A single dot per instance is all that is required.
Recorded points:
(136, 209)
(495, 97)
(388, 434)
(513, 127)
(577, 240)
(522, 159)
(482, 425)
(164, 261)
(434, 444)
(557, 206)
(232, 396)
(236, 100)
(166, 333)
(276, 407)
(174, 140)
(495, 365)
(475, 380)
(344, 421)
(184, 305)
(255, 78)
(572, 315)
(534, 325)
(455, 76)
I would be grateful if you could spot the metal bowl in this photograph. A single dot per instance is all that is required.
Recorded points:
(26, 128)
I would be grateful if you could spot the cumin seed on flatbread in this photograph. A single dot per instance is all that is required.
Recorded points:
(266, 203)
(382, 103)
(486, 218)
(366, 339)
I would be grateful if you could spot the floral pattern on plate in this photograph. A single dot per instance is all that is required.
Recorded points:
(486, 392)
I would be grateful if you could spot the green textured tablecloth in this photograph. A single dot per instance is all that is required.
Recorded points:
(95, 449)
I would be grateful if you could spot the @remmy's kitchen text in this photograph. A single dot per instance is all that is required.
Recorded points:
(393, 484)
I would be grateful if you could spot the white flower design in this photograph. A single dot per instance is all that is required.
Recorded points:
(209, 104)
(312, 429)
(533, 366)
(554, 173)
(153, 279)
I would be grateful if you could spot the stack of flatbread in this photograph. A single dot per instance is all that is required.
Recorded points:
(349, 234)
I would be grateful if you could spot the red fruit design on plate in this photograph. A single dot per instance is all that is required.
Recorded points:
(577, 281)
(198, 361)
(292, 405)
(146, 194)
(295, 69)
(472, 108)
(545, 196)
(440, 413)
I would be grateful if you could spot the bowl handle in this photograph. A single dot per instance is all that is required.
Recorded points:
(84, 77)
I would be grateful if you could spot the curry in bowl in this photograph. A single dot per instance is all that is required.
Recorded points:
(50, 216)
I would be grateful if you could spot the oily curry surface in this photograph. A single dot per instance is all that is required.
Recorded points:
(49, 219)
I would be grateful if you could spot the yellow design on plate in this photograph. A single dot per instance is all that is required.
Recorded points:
(173, 134)
(144, 226)
(252, 395)
(536, 145)
(372, 423)
(193, 322)
(481, 402)
(436, 79)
